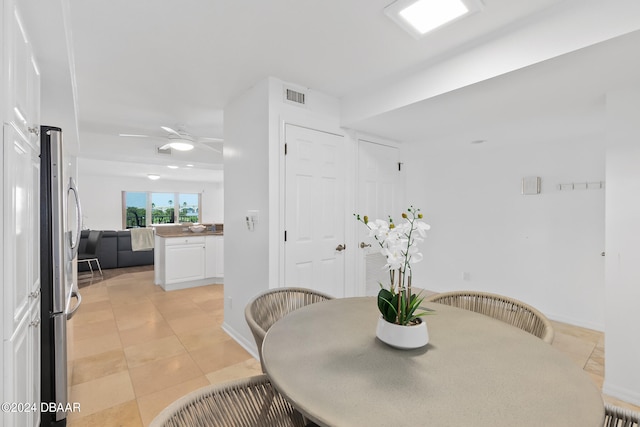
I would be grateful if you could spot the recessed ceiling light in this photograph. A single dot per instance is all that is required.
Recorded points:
(419, 17)
(153, 176)
(172, 167)
(427, 15)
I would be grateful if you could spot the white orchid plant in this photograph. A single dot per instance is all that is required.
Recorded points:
(399, 244)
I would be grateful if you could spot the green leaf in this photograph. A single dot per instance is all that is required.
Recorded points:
(384, 296)
(387, 303)
(392, 311)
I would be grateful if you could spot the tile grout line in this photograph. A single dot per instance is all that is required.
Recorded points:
(126, 359)
(584, 367)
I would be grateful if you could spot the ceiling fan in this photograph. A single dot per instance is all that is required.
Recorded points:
(181, 140)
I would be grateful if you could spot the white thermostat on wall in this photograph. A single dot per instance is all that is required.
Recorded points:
(531, 185)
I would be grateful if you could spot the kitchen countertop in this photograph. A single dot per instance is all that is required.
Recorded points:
(177, 233)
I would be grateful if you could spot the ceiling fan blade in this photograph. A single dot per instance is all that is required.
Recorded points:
(208, 138)
(208, 147)
(133, 135)
(168, 129)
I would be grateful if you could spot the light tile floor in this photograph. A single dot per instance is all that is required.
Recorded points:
(136, 348)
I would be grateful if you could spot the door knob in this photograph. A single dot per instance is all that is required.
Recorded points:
(341, 247)
(364, 245)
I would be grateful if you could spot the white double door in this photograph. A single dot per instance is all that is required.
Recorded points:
(316, 213)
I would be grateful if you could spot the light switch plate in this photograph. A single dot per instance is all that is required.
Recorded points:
(252, 219)
(531, 185)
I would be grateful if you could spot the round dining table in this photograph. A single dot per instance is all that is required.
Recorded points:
(475, 371)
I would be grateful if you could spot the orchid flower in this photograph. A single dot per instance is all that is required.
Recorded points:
(399, 244)
(422, 228)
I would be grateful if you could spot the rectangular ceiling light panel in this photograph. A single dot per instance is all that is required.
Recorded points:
(420, 17)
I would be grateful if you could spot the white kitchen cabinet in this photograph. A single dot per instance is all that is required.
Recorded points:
(34, 357)
(215, 256)
(188, 261)
(23, 90)
(21, 302)
(16, 386)
(20, 249)
(220, 257)
(184, 259)
(17, 227)
(22, 386)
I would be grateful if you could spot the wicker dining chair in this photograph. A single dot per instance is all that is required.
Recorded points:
(270, 306)
(249, 402)
(615, 416)
(500, 307)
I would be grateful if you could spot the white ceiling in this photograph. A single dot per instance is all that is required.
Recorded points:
(564, 94)
(148, 63)
(144, 64)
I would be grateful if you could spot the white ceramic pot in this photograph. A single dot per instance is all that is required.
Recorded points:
(402, 337)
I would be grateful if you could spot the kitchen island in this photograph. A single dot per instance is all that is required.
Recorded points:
(184, 259)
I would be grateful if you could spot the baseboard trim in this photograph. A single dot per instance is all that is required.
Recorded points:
(630, 396)
(250, 346)
(576, 322)
(192, 284)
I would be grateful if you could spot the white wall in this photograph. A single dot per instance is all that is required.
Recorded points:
(246, 159)
(253, 161)
(622, 342)
(542, 249)
(101, 197)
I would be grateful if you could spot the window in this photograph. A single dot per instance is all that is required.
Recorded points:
(161, 208)
(135, 209)
(189, 208)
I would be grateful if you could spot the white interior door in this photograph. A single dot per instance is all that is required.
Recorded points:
(314, 210)
(380, 195)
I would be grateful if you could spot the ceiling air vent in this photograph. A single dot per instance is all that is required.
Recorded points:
(165, 151)
(294, 96)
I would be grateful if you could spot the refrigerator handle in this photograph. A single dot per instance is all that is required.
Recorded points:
(74, 293)
(76, 243)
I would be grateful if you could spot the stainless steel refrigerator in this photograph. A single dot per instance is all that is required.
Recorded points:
(58, 247)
